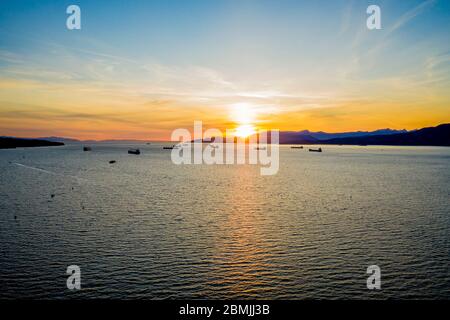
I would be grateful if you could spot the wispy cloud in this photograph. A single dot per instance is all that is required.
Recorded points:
(411, 14)
(346, 18)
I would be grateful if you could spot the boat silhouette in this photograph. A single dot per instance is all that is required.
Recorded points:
(172, 147)
(134, 151)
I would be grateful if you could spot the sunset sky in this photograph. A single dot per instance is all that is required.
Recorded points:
(140, 69)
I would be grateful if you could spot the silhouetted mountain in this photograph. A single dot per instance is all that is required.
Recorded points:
(433, 136)
(70, 140)
(58, 139)
(9, 143)
(438, 136)
(309, 137)
(290, 137)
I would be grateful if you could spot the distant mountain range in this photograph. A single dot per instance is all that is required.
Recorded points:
(71, 140)
(285, 136)
(312, 137)
(58, 139)
(432, 136)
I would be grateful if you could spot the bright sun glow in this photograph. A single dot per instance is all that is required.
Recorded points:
(244, 131)
(244, 115)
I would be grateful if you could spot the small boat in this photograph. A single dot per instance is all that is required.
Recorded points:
(87, 148)
(315, 150)
(295, 147)
(112, 161)
(134, 151)
(172, 147)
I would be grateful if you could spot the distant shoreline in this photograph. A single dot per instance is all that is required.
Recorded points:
(12, 143)
(438, 136)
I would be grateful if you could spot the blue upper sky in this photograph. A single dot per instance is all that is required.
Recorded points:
(216, 33)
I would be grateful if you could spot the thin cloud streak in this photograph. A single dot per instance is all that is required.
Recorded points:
(411, 14)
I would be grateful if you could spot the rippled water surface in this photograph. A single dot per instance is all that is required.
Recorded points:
(148, 229)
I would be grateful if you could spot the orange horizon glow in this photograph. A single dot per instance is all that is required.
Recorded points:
(108, 82)
(101, 130)
(119, 115)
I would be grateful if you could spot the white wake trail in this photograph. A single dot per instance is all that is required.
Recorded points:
(50, 172)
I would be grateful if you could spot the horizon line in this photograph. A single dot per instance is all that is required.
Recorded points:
(159, 140)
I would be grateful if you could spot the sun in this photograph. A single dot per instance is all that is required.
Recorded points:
(244, 131)
(244, 115)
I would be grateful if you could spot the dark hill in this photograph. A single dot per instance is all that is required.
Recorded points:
(433, 136)
(9, 143)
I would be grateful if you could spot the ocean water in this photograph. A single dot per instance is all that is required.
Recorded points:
(144, 228)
